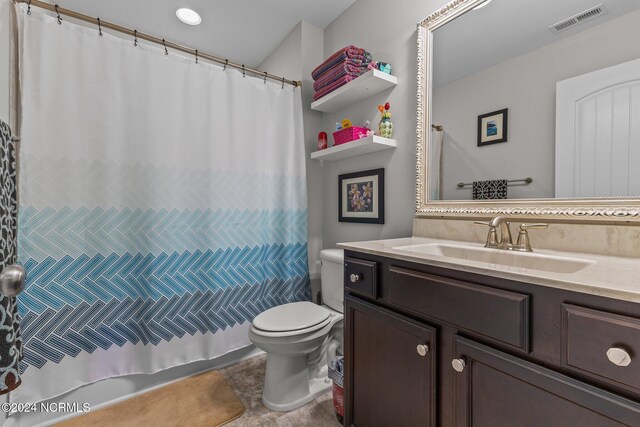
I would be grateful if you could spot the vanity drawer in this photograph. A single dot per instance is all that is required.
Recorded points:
(360, 276)
(589, 335)
(495, 314)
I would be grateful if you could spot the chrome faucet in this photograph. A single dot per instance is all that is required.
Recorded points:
(505, 241)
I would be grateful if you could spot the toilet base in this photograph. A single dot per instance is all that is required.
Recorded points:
(287, 384)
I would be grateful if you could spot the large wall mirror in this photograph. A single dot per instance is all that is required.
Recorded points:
(530, 108)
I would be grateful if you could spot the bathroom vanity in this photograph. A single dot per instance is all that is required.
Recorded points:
(435, 334)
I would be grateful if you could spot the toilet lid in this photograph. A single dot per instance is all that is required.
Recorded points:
(292, 316)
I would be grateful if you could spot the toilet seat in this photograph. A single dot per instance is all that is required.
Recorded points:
(297, 332)
(291, 319)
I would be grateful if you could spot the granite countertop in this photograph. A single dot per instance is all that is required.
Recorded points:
(606, 276)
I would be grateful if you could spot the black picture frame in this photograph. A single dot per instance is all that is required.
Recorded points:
(501, 124)
(347, 211)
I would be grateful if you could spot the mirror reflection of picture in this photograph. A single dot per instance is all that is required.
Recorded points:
(492, 127)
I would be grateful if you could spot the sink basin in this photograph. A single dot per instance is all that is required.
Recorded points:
(528, 260)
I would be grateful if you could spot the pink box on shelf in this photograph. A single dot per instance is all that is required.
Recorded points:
(349, 134)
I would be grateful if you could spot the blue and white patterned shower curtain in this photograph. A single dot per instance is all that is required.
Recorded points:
(162, 206)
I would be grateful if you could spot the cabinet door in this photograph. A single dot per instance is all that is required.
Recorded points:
(390, 368)
(496, 389)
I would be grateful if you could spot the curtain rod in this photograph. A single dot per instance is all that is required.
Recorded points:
(165, 43)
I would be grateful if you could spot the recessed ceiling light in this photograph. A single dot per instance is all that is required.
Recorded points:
(188, 16)
(481, 5)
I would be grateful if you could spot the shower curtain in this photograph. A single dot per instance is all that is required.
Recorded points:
(162, 206)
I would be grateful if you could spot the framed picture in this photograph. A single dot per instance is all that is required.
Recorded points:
(492, 127)
(361, 197)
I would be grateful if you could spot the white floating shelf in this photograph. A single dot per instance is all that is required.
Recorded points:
(372, 82)
(369, 144)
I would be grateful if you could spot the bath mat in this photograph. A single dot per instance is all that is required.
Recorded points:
(205, 400)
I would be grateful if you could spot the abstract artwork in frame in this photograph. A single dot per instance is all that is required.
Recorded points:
(361, 197)
(492, 127)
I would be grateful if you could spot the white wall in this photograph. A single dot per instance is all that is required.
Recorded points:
(286, 59)
(294, 59)
(527, 86)
(5, 6)
(388, 30)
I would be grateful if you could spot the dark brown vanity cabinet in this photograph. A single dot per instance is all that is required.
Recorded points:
(428, 346)
(496, 389)
(394, 383)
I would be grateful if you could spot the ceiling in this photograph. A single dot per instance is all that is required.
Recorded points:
(505, 29)
(245, 31)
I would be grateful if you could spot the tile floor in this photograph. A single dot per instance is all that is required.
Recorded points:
(246, 379)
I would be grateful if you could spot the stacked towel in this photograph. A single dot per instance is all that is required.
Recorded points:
(347, 67)
(339, 69)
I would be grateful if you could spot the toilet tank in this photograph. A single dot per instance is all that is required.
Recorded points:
(332, 278)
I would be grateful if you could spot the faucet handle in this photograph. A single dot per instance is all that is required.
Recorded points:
(523, 243)
(492, 237)
(525, 227)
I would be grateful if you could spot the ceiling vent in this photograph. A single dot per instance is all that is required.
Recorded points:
(578, 19)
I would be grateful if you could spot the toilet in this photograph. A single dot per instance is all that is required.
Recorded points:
(300, 338)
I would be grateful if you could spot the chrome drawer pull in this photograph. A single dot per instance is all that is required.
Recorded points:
(458, 364)
(422, 349)
(618, 356)
(354, 278)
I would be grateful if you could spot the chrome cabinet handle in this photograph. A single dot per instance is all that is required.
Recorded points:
(422, 349)
(355, 278)
(618, 356)
(458, 364)
(12, 280)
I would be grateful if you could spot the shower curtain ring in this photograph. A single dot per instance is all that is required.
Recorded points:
(99, 28)
(265, 77)
(243, 75)
(29, 8)
(226, 61)
(166, 52)
(196, 56)
(135, 38)
(283, 83)
(58, 13)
